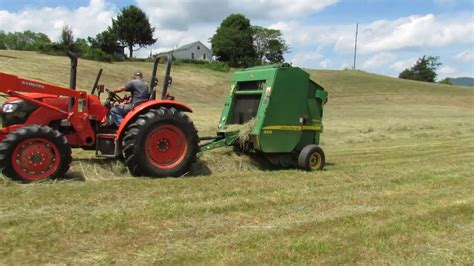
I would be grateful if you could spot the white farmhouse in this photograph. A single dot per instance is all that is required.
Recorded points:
(194, 51)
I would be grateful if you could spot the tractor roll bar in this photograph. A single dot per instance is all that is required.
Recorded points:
(167, 79)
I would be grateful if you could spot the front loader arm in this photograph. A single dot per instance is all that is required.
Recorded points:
(78, 114)
(13, 83)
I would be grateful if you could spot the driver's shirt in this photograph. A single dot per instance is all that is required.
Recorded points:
(139, 90)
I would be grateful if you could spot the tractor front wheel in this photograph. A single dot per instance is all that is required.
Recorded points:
(311, 158)
(34, 153)
(160, 143)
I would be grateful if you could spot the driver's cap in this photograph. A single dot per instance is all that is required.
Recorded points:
(138, 74)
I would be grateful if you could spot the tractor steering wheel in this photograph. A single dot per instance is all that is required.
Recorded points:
(113, 97)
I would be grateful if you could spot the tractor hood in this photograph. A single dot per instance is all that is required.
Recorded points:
(59, 102)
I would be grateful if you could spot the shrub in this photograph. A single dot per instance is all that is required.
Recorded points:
(214, 65)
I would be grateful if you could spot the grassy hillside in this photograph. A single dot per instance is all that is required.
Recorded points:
(397, 187)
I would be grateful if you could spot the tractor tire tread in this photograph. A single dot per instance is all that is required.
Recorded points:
(131, 151)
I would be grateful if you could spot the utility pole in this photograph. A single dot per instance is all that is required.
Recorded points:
(355, 46)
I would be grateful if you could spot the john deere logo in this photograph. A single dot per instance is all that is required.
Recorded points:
(252, 75)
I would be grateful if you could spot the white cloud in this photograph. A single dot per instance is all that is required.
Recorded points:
(378, 60)
(406, 33)
(466, 56)
(306, 58)
(85, 21)
(325, 63)
(401, 65)
(182, 15)
(446, 71)
(409, 33)
(181, 22)
(303, 35)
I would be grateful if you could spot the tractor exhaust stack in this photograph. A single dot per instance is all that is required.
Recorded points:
(72, 79)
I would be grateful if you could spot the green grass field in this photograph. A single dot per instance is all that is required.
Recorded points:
(397, 188)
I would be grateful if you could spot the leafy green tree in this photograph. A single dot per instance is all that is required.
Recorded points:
(233, 41)
(269, 44)
(133, 28)
(27, 40)
(423, 70)
(40, 40)
(105, 41)
(67, 38)
(3, 36)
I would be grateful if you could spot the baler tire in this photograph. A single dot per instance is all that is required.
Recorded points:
(50, 146)
(146, 143)
(311, 158)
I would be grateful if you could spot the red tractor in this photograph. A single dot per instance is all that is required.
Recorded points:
(42, 122)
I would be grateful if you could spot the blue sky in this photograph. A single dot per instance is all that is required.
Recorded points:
(392, 34)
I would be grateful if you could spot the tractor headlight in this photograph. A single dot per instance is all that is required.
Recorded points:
(16, 112)
(9, 107)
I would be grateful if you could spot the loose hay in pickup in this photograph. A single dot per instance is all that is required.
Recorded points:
(244, 130)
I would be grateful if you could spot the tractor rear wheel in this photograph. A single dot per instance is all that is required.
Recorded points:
(160, 143)
(311, 158)
(34, 153)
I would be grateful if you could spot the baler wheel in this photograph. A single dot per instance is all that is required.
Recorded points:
(160, 143)
(34, 153)
(311, 158)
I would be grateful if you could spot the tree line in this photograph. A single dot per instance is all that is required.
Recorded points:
(236, 42)
(130, 29)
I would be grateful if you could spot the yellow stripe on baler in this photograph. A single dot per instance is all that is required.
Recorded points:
(293, 128)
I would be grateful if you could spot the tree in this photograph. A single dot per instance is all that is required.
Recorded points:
(233, 41)
(27, 40)
(133, 28)
(423, 70)
(105, 41)
(269, 44)
(67, 38)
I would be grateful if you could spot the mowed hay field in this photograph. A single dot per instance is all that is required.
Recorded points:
(398, 185)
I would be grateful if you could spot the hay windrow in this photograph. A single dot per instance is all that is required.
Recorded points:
(228, 161)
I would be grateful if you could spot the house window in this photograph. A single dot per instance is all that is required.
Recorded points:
(204, 56)
(192, 55)
(199, 47)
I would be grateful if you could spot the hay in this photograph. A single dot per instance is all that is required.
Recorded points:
(244, 130)
(228, 161)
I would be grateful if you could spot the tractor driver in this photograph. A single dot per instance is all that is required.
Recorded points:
(139, 90)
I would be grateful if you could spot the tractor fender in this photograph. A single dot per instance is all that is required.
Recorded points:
(142, 108)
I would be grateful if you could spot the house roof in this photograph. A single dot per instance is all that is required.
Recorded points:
(188, 46)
